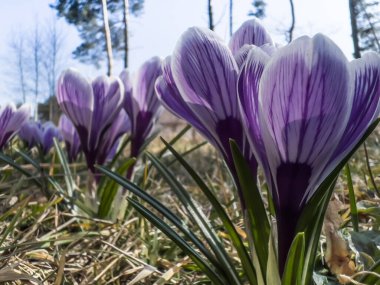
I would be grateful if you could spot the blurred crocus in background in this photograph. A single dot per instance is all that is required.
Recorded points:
(11, 120)
(92, 108)
(199, 85)
(142, 104)
(304, 109)
(70, 137)
(40, 135)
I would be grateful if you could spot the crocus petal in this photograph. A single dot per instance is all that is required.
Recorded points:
(205, 74)
(108, 101)
(242, 54)
(129, 103)
(251, 33)
(248, 89)
(11, 120)
(172, 100)
(304, 100)
(70, 136)
(29, 133)
(49, 132)
(76, 99)
(365, 107)
(119, 127)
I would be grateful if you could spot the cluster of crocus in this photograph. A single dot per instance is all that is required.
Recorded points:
(11, 120)
(94, 110)
(303, 107)
(36, 134)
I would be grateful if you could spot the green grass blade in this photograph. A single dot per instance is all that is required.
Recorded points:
(351, 195)
(70, 184)
(19, 168)
(214, 276)
(255, 212)
(109, 190)
(227, 223)
(294, 263)
(198, 217)
(160, 208)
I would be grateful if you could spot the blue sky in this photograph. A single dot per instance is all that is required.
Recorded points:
(163, 21)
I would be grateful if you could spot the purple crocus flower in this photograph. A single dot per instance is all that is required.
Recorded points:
(141, 102)
(199, 85)
(70, 136)
(11, 120)
(92, 108)
(29, 133)
(41, 135)
(304, 109)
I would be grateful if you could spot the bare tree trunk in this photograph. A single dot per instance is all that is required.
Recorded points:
(210, 16)
(107, 34)
(20, 61)
(371, 25)
(292, 25)
(231, 17)
(354, 28)
(126, 44)
(37, 46)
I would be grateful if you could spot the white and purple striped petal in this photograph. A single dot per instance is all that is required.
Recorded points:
(119, 127)
(172, 100)
(70, 136)
(365, 74)
(250, 32)
(11, 120)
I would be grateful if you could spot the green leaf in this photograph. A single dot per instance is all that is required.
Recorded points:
(351, 195)
(272, 273)
(70, 184)
(294, 263)
(198, 217)
(255, 213)
(19, 168)
(110, 189)
(227, 223)
(214, 276)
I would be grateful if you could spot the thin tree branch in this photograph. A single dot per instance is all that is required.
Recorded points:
(231, 17)
(292, 25)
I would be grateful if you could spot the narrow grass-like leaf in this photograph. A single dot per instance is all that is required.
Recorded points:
(19, 168)
(227, 223)
(294, 263)
(255, 209)
(272, 273)
(110, 189)
(351, 195)
(161, 209)
(14, 221)
(214, 276)
(70, 184)
(174, 140)
(198, 217)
